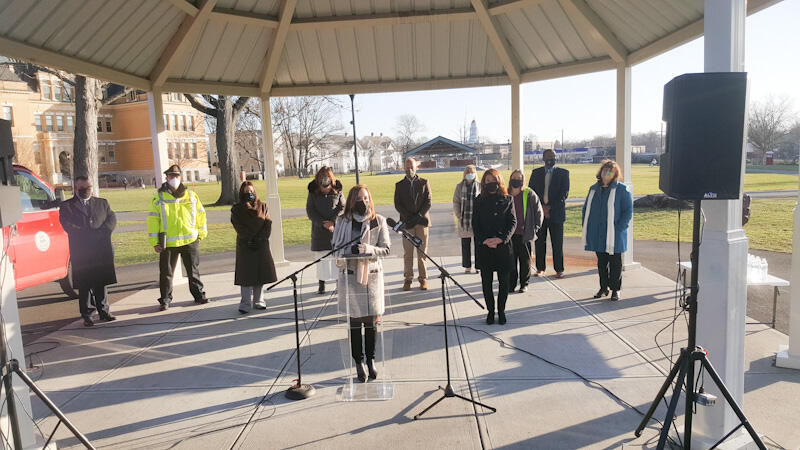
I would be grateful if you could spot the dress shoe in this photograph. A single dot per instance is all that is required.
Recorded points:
(601, 293)
(87, 322)
(360, 372)
(490, 318)
(614, 296)
(501, 318)
(373, 374)
(201, 301)
(163, 307)
(423, 285)
(468, 270)
(538, 273)
(321, 289)
(559, 274)
(523, 288)
(108, 318)
(261, 307)
(407, 285)
(241, 311)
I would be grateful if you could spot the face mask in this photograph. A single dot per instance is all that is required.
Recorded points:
(85, 193)
(515, 183)
(174, 182)
(410, 173)
(608, 174)
(325, 182)
(492, 187)
(249, 197)
(470, 177)
(361, 207)
(549, 163)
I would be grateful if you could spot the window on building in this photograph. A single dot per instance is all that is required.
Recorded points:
(194, 150)
(191, 123)
(70, 123)
(99, 126)
(166, 122)
(108, 126)
(57, 91)
(101, 152)
(112, 157)
(182, 123)
(196, 175)
(186, 151)
(176, 97)
(48, 122)
(37, 119)
(172, 122)
(60, 123)
(46, 91)
(169, 150)
(188, 175)
(69, 92)
(7, 115)
(37, 155)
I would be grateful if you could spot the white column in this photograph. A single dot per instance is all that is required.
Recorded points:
(155, 107)
(271, 177)
(624, 148)
(722, 293)
(789, 357)
(13, 334)
(158, 137)
(517, 156)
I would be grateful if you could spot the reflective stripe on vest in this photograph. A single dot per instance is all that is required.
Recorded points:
(163, 211)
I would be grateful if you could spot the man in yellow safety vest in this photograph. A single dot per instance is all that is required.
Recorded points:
(175, 224)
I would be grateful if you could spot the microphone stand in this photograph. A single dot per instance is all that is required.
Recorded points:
(444, 275)
(302, 391)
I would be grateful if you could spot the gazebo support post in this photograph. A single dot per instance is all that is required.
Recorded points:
(623, 154)
(271, 177)
(723, 254)
(789, 357)
(517, 157)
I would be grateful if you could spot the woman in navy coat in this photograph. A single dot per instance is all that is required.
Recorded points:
(607, 213)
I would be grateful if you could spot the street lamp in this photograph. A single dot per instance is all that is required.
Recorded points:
(355, 141)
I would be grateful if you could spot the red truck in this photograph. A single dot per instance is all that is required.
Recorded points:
(37, 245)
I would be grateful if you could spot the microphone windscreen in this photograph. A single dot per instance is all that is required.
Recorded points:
(391, 222)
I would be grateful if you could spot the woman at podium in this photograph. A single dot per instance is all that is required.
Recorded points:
(362, 272)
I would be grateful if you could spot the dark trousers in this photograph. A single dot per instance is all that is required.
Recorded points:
(168, 259)
(488, 294)
(609, 266)
(557, 244)
(356, 348)
(466, 252)
(522, 262)
(91, 299)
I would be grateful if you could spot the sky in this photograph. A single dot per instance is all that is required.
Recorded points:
(584, 106)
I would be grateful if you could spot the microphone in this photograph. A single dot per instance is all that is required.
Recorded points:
(397, 227)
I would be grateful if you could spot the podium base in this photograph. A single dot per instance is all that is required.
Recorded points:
(362, 392)
(300, 392)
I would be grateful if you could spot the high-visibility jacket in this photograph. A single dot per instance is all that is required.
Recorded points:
(183, 219)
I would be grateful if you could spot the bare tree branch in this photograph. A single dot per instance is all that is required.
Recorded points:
(199, 106)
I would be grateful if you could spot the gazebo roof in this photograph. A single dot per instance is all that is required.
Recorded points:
(311, 47)
(440, 145)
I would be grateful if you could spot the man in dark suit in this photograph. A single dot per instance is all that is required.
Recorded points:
(412, 199)
(551, 184)
(89, 222)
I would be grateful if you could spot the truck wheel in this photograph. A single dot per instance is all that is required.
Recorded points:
(66, 283)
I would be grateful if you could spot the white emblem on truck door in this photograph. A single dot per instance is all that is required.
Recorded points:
(42, 241)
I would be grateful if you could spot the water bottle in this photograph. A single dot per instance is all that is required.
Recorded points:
(750, 267)
(763, 269)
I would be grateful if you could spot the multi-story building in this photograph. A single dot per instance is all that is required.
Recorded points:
(42, 113)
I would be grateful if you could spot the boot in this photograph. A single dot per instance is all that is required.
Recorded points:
(501, 317)
(321, 289)
(373, 374)
(490, 318)
(601, 293)
(362, 375)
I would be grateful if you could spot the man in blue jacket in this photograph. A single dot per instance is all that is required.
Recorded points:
(551, 184)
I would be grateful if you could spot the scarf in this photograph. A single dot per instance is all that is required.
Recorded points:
(468, 192)
(610, 230)
(341, 236)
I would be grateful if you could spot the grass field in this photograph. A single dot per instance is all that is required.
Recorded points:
(293, 191)
(770, 228)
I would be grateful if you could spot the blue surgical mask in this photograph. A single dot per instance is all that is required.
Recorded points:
(470, 177)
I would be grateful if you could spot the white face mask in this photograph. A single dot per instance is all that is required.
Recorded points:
(174, 182)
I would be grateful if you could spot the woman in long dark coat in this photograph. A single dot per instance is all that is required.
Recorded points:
(493, 223)
(254, 264)
(324, 204)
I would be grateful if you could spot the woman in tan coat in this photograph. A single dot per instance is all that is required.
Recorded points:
(463, 201)
(254, 264)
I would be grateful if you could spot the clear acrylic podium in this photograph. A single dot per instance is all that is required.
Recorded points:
(358, 300)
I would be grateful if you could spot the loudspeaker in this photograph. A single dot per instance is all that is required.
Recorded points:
(704, 143)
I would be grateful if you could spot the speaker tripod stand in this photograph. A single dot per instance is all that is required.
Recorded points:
(684, 369)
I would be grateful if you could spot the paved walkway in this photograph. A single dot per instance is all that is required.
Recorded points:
(208, 377)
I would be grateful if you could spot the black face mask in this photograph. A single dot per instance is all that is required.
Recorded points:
(515, 183)
(325, 182)
(85, 193)
(361, 207)
(248, 197)
(549, 163)
(492, 188)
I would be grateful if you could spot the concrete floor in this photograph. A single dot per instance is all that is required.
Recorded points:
(208, 377)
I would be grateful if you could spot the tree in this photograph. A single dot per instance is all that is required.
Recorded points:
(407, 128)
(768, 124)
(90, 95)
(305, 126)
(225, 110)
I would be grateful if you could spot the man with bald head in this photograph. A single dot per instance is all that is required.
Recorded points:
(412, 199)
